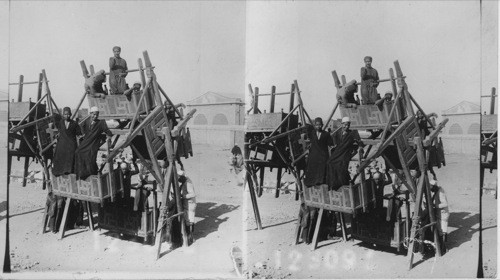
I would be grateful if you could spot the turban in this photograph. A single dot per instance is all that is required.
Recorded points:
(116, 47)
(94, 109)
(345, 119)
(368, 58)
(67, 109)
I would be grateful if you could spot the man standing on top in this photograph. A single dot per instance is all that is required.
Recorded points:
(117, 72)
(345, 143)
(369, 82)
(86, 154)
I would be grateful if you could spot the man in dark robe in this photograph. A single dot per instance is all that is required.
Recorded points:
(117, 72)
(345, 143)
(315, 175)
(62, 163)
(86, 154)
(318, 154)
(369, 82)
(64, 153)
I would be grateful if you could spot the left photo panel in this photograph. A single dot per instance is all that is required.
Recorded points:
(124, 125)
(4, 58)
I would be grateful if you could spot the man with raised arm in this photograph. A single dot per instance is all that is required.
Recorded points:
(369, 82)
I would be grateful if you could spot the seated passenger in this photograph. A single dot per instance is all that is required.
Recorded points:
(345, 95)
(387, 98)
(93, 84)
(136, 88)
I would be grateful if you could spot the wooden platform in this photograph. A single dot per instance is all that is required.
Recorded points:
(18, 110)
(95, 188)
(347, 199)
(268, 122)
(117, 106)
(368, 116)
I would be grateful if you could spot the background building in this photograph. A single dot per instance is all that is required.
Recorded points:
(218, 120)
(462, 132)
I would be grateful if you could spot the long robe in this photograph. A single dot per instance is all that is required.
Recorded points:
(86, 153)
(117, 82)
(369, 84)
(337, 173)
(64, 154)
(318, 156)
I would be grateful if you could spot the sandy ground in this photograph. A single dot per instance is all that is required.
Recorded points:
(272, 253)
(222, 206)
(86, 253)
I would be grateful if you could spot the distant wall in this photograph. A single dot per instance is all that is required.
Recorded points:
(461, 134)
(224, 136)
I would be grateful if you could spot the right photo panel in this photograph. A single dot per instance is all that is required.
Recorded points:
(364, 134)
(489, 126)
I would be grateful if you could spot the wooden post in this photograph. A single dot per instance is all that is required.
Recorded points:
(111, 179)
(252, 197)
(39, 92)
(423, 159)
(91, 68)
(343, 226)
(397, 101)
(149, 103)
(164, 200)
(256, 101)
(336, 79)
(278, 183)
(62, 227)
(89, 215)
(26, 165)
(20, 91)
(344, 81)
(492, 104)
(261, 181)
(316, 229)
(362, 178)
(273, 91)
(292, 97)
(47, 89)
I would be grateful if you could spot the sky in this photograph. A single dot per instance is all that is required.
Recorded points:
(195, 46)
(224, 46)
(437, 44)
(4, 47)
(489, 53)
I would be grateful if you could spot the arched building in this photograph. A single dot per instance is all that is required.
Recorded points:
(462, 132)
(218, 120)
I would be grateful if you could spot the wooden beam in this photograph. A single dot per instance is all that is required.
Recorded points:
(386, 143)
(136, 131)
(434, 134)
(23, 126)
